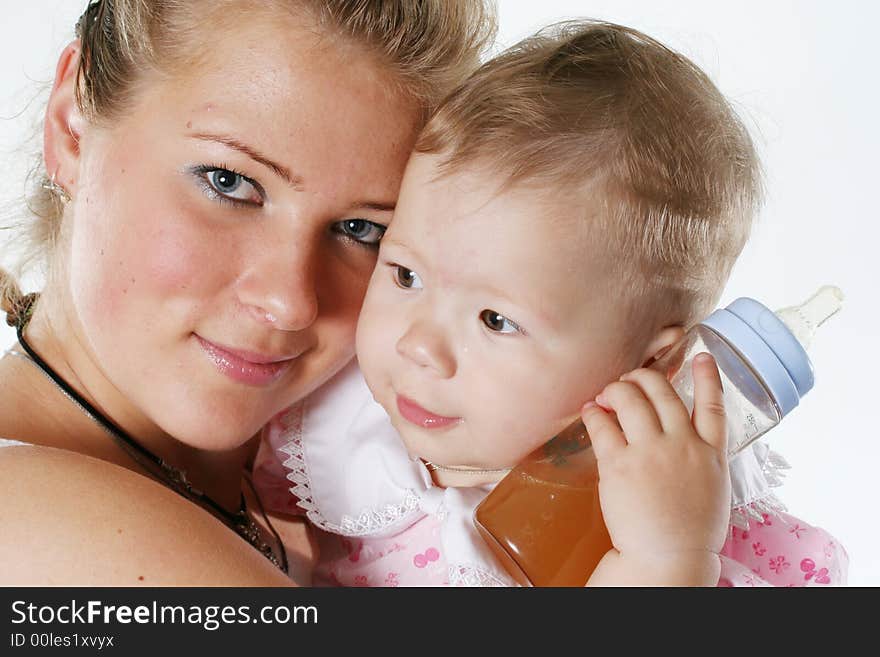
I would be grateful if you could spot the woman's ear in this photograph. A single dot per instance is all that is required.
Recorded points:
(64, 122)
(661, 343)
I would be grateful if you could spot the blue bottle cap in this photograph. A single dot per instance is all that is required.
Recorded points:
(779, 338)
(768, 347)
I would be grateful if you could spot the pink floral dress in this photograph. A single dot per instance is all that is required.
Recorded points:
(380, 520)
(781, 550)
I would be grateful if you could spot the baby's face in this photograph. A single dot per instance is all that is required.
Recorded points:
(487, 323)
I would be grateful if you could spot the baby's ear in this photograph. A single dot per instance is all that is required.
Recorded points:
(64, 122)
(661, 343)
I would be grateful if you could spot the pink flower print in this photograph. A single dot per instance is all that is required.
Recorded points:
(822, 577)
(724, 582)
(393, 579)
(796, 530)
(361, 580)
(829, 550)
(396, 547)
(422, 560)
(808, 566)
(765, 519)
(741, 534)
(759, 549)
(353, 549)
(778, 564)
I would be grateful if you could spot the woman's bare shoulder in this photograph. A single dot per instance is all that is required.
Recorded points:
(69, 519)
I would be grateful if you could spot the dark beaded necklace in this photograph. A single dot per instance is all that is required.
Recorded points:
(174, 478)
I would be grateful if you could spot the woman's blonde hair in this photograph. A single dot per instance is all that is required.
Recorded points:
(427, 47)
(597, 111)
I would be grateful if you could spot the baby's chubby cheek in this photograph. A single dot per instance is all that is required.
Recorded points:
(534, 414)
(375, 352)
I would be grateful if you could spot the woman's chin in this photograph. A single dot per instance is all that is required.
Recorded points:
(213, 431)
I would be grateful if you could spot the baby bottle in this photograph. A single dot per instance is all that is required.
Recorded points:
(543, 520)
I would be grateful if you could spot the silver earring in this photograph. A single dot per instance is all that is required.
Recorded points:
(57, 190)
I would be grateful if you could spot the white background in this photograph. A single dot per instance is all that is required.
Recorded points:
(803, 76)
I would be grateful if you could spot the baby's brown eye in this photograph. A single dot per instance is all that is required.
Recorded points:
(407, 278)
(498, 322)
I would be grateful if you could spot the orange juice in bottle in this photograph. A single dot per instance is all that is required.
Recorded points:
(543, 520)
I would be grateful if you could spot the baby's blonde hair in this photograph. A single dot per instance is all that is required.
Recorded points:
(587, 107)
(426, 46)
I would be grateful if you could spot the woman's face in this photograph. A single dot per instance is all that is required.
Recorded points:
(223, 231)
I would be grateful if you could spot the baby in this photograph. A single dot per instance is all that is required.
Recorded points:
(568, 213)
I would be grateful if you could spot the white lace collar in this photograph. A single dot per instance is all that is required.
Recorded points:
(354, 477)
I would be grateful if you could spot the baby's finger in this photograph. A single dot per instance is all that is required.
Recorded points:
(635, 414)
(710, 420)
(605, 434)
(670, 410)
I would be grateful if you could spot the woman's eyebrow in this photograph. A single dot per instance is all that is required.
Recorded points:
(373, 205)
(294, 181)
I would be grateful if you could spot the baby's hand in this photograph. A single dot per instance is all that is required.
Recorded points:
(664, 484)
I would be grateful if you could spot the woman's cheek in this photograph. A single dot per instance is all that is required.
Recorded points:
(149, 264)
(175, 259)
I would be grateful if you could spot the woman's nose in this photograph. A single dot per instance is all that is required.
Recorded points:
(427, 347)
(281, 291)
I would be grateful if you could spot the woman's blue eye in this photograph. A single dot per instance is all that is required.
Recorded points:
(498, 322)
(407, 278)
(228, 185)
(361, 230)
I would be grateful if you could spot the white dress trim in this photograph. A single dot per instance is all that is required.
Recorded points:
(754, 472)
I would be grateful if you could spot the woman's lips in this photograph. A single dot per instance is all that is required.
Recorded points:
(243, 366)
(420, 417)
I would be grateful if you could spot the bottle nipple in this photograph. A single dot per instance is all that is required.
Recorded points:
(803, 320)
